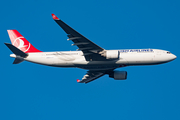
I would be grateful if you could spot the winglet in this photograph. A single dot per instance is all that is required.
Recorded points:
(54, 17)
(78, 80)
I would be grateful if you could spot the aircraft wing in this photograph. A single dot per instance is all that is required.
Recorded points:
(90, 76)
(84, 44)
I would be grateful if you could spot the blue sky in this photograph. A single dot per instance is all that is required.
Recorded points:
(35, 92)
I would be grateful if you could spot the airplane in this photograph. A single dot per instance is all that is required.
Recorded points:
(97, 60)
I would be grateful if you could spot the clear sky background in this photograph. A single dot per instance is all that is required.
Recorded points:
(34, 92)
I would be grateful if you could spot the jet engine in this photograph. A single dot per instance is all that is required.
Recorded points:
(118, 75)
(111, 54)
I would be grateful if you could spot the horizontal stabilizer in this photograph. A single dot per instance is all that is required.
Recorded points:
(16, 51)
(18, 60)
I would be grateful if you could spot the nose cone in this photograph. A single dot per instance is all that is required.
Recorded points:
(173, 57)
(164, 58)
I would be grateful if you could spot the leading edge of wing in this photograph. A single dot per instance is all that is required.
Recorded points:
(90, 76)
(65, 27)
(82, 42)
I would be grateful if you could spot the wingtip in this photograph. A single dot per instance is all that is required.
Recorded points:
(78, 80)
(54, 17)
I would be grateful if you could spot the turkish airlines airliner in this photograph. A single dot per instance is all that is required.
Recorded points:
(97, 60)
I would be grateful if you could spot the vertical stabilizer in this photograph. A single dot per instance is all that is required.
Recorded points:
(20, 42)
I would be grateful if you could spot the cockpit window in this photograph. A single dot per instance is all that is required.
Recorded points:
(168, 52)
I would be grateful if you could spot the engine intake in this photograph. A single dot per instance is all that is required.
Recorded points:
(111, 54)
(118, 75)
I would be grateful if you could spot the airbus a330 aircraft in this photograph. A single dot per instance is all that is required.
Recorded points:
(97, 60)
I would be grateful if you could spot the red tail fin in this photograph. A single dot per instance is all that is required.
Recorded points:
(20, 42)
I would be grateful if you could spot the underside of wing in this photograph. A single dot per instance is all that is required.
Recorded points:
(90, 76)
(90, 50)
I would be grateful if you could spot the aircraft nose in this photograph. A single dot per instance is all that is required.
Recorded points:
(174, 57)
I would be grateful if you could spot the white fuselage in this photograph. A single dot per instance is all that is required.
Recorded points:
(127, 57)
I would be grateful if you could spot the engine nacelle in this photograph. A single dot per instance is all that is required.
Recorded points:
(118, 75)
(111, 54)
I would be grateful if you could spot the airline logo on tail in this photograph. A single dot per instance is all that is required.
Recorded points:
(20, 42)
